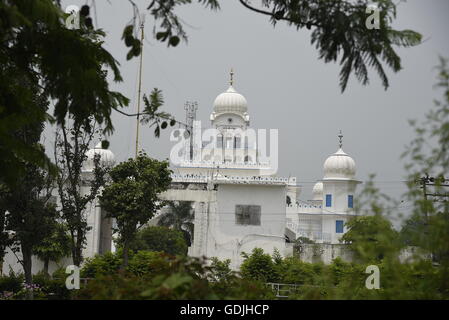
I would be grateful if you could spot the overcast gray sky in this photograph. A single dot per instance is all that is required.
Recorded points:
(286, 86)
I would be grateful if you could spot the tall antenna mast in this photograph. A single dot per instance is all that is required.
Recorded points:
(190, 108)
(140, 83)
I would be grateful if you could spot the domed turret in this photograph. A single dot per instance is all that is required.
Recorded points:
(339, 166)
(232, 102)
(107, 158)
(317, 191)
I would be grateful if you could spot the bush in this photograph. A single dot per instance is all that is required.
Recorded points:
(163, 239)
(147, 263)
(182, 278)
(259, 266)
(338, 270)
(52, 288)
(106, 264)
(295, 271)
(10, 285)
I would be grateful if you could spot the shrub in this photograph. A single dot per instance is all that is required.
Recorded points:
(158, 238)
(183, 278)
(295, 271)
(259, 266)
(10, 285)
(52, 288)
(147, 263)
(106, 264)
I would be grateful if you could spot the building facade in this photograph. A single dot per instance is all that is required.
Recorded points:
(238, 200)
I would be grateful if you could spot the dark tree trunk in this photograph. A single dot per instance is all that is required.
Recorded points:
(77, 251)
(125, 254)
(77, 258)
(27, 267)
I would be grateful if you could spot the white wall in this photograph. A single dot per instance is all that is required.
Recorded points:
(339, 189)
(227, 240)
(11, 263)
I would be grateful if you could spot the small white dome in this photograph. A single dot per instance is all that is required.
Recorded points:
(107, 158)
(317, 191)
(230, 102)
(339, 166)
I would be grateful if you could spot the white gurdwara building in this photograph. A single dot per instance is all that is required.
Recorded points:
(238, 201)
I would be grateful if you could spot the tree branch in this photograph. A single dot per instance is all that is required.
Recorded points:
(144, 113)
(303, 24)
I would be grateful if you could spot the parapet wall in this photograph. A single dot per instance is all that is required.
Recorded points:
(323, 252)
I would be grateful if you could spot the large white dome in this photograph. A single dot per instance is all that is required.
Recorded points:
(317, 191)
(230, 102)
(107, 158)
(339, 166)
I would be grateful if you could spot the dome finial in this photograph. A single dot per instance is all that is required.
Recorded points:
(340, 138)
(231, 81)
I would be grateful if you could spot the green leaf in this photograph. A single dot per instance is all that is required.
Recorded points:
(174, 41)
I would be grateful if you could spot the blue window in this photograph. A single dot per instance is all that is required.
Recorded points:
(328, 200)
(350, 201)
(339, 226)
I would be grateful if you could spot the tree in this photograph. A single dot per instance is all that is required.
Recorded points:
(30, 214)
(339, 31)
(372, 238)
(427, 155)
(71, 145)
(179, 217)
(55, 246)
(132, 196)
(68, 66)
(27, 201)
(163, 239)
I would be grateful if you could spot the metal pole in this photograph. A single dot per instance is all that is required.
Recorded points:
(140, 88)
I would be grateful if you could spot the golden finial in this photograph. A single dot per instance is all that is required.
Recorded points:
(231, 82)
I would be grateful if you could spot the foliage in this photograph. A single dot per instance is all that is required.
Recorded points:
(11, 283)
(163, 239)
(427, 156)
(13, 287)
(132, 196)
(259, 266)
(99, 265)
(339, 31)
(40, 57)
(30, 214)
(220, 271)
(149, 264)
(338, 270)
(372, 238)
(181, 278)
(55, 246)
(52, 288)
(292, 270)
(71, 146)
(141, 263)
(180, 217)
(152, 115)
